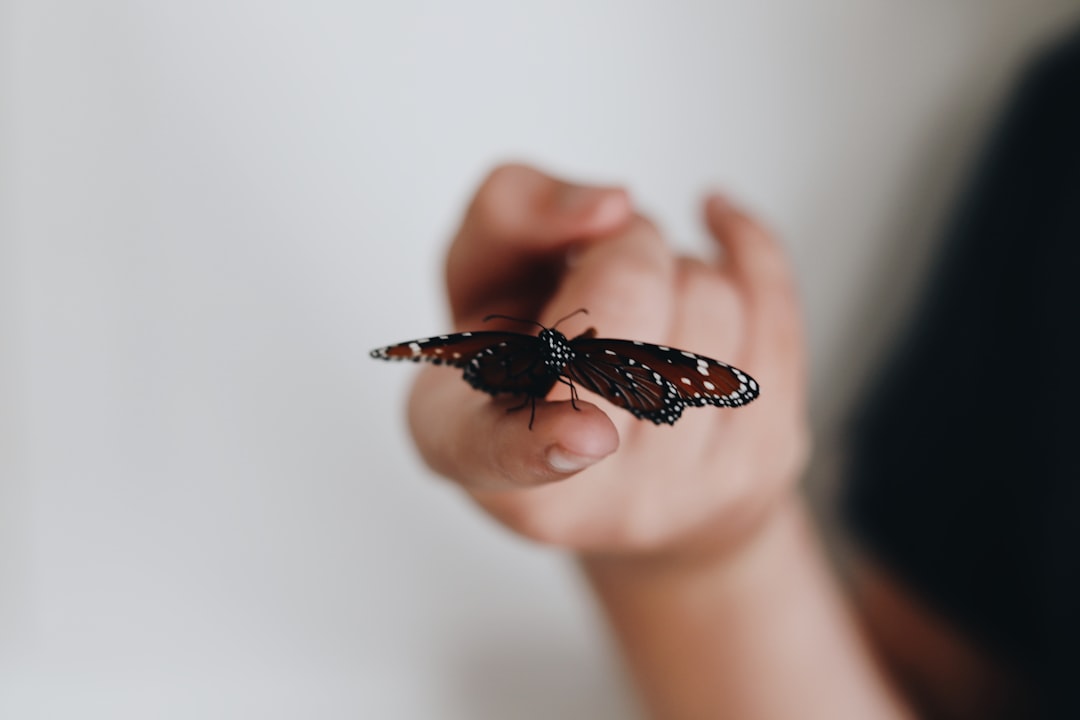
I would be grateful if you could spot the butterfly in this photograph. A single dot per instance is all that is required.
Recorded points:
(653, 382)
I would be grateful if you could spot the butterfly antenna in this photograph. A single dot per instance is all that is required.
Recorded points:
(514, 319)
(579, 311)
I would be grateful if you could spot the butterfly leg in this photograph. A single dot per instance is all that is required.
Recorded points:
(573, 392)
(522, 405)
(529, 400)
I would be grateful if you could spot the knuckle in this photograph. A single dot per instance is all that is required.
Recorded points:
(746, 226)
(502, 175)
(498, 196)
(626, 302)
(711, 314)
(627, 281)
(706, 291)
(643, 225)
(638, 253)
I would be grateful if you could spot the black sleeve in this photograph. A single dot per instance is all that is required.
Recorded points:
(965, 465)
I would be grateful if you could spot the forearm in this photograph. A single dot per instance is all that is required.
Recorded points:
(764, 633)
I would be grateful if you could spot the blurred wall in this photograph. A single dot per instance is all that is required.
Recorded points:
(211, 211)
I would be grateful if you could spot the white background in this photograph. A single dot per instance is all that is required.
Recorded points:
(211, 211)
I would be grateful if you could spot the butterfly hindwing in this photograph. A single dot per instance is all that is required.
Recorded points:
(513, 364)
(625, 381)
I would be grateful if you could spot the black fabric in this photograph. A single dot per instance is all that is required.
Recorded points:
(965, 464)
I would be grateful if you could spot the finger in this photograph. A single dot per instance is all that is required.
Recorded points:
(624, 282)
(759, 267)
(511, 246)
(757, 264)
(754, 258)
(709, 319)
(472, 439)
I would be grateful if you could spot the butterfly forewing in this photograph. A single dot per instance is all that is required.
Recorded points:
(457, 349)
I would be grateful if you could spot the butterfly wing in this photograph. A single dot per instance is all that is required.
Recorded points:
(495, 362)
(456, 350)
(654, 381)
(624, 380)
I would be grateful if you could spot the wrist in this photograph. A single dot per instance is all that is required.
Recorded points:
(717, 636)
(728, 541)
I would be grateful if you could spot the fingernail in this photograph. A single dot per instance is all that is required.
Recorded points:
(564, 461)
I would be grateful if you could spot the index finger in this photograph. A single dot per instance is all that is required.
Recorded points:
(509, 253)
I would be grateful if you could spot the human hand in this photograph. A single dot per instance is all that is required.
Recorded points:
(597, 480)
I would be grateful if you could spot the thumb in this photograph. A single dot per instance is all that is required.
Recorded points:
(464, 435)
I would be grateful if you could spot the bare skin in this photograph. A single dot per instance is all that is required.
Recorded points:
(694, 537)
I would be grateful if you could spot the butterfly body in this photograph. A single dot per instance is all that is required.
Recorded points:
(653, 382)
(556, 350)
